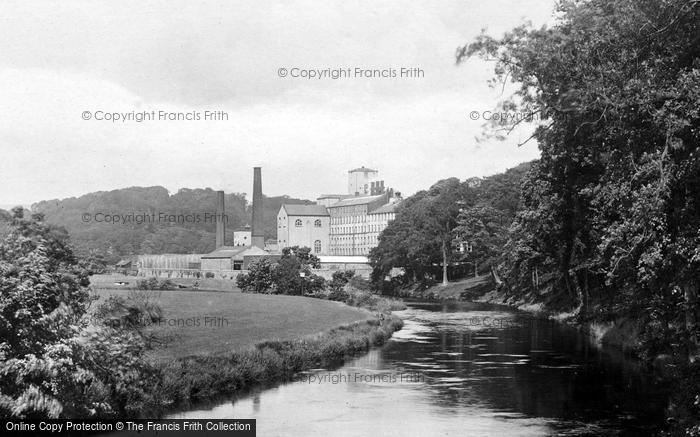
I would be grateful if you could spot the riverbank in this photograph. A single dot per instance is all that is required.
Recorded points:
(210, 323)
(219, 344)
(196, 379)
(622, 333)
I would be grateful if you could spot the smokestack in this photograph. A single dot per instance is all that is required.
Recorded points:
(258, 234)
(220, 230)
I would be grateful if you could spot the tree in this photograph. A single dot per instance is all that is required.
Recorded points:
(290, 275)
(293, 275)
(616, 85)
(259, 277)
(52, 365)
(486, 230)
(421, 235)
(612, 209)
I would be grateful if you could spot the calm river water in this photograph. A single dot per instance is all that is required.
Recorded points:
(462, 370)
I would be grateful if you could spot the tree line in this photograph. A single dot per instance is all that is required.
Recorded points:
(105, 243)
(607, 221)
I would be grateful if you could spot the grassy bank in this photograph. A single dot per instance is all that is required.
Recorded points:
(210, 323)
(223, 343)
(201, 378)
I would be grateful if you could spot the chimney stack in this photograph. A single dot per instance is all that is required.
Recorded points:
(258, 233)
(220, 230)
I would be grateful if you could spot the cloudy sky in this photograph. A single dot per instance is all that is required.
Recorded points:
(61, 59)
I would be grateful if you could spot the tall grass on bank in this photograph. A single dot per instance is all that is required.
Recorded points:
(200, 378)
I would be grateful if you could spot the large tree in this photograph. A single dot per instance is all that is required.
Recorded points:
(614, 199)
(612, 210)
(422, 233)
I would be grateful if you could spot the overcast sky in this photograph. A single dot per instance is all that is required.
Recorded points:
(59, 59)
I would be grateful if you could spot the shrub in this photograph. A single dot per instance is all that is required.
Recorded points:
(340, 279)
(258, 279)
(147, 284)
(360, 283)
(209, 274)
(338, 295)
(155, 284)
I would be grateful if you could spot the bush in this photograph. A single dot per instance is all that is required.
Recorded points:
(340, 279)
(360, 283)
(338, 295)
(155, 284)
(373, 302)
(290, 275)
(258, 279)
(209, 274)
(147, 284)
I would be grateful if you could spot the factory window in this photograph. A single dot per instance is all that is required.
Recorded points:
(317, 223)
(297, 223)
(317, 246)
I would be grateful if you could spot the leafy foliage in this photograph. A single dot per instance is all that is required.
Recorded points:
(431, 225)
(611, 212)
(52, 364)
(110, 242)
(290, 275)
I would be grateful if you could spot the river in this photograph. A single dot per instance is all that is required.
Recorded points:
(463, 369)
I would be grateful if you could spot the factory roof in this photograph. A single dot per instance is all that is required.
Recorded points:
(236, 252)
(305, 210)
(356, 201)
(334, 196)
(389, 207)
(362, 169)
(225, 252)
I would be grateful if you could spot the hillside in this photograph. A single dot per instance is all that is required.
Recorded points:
(84, 218)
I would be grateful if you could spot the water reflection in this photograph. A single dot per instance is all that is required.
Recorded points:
(463, 369)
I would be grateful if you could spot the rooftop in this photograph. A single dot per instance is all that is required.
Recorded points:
(226, 252)
(389, 207)
(356, 201)
(334, 196)
(235, 252)
(362, 169)
(305, 210)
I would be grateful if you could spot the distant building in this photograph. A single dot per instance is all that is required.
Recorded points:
(331, 264)
(127, 266)
(228, 261)
(271, 245)
(355, 223)
(242, 237)
(360, 181)
(330, 199)
(304, 226)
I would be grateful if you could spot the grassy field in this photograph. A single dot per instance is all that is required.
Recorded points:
(210, 323)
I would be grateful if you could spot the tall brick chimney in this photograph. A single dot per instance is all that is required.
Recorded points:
(220, 229)
(258, 232)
